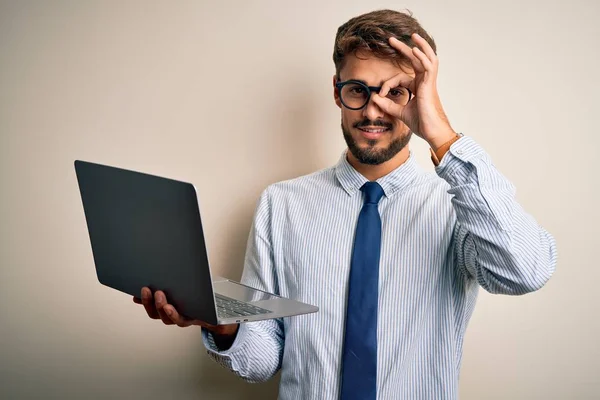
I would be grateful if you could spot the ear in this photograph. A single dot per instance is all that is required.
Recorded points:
(336, 94)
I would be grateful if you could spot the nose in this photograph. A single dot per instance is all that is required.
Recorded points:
(372, 110)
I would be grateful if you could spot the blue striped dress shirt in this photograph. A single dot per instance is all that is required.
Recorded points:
(441, 240)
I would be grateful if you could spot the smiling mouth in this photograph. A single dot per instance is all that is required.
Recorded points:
(374, 130)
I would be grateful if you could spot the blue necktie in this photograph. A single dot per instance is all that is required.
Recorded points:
(359, 359)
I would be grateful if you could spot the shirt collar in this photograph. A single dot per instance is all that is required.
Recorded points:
(400, 178)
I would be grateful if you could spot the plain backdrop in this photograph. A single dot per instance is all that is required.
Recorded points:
(235, 95)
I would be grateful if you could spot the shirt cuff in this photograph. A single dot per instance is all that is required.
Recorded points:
(453, 167)
(211, 347)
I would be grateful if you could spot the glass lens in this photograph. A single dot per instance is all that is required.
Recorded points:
(399, 95)
(354, 95)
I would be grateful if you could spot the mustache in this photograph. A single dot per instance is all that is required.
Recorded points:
(367, 122)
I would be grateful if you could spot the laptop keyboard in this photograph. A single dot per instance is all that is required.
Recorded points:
(231, 308)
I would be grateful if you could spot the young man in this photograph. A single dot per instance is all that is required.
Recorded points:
(393, 256)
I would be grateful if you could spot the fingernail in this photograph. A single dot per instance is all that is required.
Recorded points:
(168, 311)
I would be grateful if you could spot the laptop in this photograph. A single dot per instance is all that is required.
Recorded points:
(146, 230)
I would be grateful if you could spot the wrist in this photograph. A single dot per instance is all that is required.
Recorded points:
(224, 338)
(440, 151)
(441, 140)
(226, 330)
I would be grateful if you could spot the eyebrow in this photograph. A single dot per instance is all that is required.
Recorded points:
(358, 80)
(366, 84)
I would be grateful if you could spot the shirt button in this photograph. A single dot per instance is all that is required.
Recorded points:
(459, 152)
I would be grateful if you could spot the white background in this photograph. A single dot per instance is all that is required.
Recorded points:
(235, 95)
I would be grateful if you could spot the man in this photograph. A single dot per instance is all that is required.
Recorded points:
(393, 256)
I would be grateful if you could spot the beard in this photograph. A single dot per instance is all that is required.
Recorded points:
(371, 155)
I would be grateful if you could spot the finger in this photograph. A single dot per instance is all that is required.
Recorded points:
(405, 81)
(205, 325)
(425, 47)
(160, 301)
(148, 303)
(400, 46)
(404, 49)
(388, 106)
(175, 317)
(137, 300)
(426, 62)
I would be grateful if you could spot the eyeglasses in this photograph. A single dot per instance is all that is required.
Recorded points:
(355, 94)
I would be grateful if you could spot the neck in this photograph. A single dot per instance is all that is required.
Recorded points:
(374, 172)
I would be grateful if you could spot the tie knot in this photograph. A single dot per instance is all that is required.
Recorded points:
(373, 192)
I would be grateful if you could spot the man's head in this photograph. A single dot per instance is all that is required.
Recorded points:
(362, 52)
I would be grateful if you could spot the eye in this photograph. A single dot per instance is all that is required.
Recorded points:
(357, 89)
(397, 92)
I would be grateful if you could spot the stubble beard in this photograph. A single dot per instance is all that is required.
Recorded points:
(371, 155)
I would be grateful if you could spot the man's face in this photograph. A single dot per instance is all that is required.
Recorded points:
(373, 137)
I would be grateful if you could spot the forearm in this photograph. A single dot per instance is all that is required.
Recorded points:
(497, 242)
(514, 263)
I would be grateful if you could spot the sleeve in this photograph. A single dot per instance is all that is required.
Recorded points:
(496, 241)
(256, 354)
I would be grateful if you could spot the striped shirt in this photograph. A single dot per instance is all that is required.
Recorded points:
(441, 240)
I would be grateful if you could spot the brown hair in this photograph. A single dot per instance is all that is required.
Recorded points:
(371, 31)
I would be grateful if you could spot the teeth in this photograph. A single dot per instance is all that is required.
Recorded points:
(374, 130)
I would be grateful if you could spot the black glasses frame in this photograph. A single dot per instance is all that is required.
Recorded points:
(370, 90)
